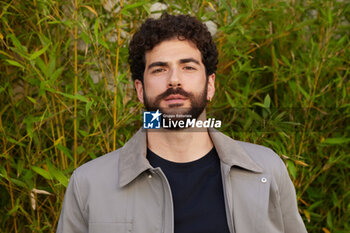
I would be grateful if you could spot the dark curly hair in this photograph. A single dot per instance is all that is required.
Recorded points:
(183, 27)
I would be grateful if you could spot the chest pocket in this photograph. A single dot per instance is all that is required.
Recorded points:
(110, 227)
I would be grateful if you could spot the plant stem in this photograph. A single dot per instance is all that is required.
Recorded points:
(11, 195)
(115, 79)
(75, 80)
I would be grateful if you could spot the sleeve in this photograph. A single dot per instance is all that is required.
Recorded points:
(292, 220)
(73, 219)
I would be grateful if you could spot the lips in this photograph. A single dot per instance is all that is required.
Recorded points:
(175, 99)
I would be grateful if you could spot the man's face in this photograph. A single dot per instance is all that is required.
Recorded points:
(175, 80)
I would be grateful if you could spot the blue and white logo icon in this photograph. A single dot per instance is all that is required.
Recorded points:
(151, 120)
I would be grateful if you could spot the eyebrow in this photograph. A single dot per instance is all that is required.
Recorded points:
(158, 63)
(188, 60)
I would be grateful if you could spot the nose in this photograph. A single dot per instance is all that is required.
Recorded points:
(174, 79)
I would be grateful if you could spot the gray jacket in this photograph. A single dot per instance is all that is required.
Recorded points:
(120, 192)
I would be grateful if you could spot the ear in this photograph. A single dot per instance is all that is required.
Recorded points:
(211, 87)
(139, 89)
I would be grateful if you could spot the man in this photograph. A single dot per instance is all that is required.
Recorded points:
(179, 179)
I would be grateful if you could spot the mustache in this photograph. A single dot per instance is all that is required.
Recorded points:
(173, 91)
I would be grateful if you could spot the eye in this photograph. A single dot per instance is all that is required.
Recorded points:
(189, 68)
(158, 70)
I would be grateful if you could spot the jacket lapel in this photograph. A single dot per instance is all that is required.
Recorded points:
(231, 153)
(246, 187)
(133, 160)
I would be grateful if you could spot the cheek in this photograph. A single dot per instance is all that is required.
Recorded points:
(197, 78)
(151, 91)
(155, 86)
(196, 84)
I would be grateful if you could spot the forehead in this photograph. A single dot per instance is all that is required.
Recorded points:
(173, 50)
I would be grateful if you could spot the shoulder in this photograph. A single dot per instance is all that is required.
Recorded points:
(246, 155)
(265, 157)
(89, 179)
(260, 154)
(103, 167)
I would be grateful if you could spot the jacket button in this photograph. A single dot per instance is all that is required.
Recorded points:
(263, 180)
(150, 176)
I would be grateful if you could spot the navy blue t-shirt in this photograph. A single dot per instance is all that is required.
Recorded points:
(197, 192)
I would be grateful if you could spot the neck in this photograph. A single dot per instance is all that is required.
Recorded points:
(180, 146)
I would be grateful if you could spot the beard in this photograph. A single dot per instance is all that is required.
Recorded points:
(174, 111)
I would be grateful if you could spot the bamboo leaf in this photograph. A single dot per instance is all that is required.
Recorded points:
(29, 125)
(42, 172)
(18, 183)
(102, 42)
(31, 99)
(15, 142)
(55, 75)
(307, 215)
(132, 6)
(303, 91)
(65, 150)
(80, 150)
(335, 141)
(14, 63)
(51, 66)
(91, 9)
(291, 169)
(230, 101)
(38, 53)
(260, 105)
(92, 155)
(70, 96)
(42, 66)
(96, 25)
(83, 133)
(302, 163)
(267, 101)
(3, 172)
(15, 208)
(211, 6)
(57, 174)
(85, 38)
(88, 107)
(17, 44)
(329, 220)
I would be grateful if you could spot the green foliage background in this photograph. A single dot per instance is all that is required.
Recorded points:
(66, 95)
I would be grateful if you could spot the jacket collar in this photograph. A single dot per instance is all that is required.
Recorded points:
(231, 153)
(133, 155)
